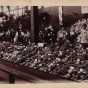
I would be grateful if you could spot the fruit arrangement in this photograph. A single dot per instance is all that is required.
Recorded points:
(69, 63)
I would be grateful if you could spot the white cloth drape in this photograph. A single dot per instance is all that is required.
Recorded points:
(60, 15)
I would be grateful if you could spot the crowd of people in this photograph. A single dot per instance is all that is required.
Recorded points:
(15, 29)
(80, 30)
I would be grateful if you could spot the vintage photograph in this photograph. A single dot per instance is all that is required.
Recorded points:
(43, 44)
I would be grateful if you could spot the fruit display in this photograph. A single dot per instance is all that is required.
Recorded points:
(69, 63)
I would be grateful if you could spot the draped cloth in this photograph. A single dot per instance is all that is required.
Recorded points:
(60, 15)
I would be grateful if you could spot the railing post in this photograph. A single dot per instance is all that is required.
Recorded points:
(11, 78)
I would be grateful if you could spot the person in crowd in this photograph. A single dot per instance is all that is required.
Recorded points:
(73, 36)
(49, 34)
(2, 33)
(61, 36)
(18, 36)
(22, 36)
(83, 37)
(26, 37)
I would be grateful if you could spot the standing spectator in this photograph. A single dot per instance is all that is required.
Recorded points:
(83, 37)
(61, 36)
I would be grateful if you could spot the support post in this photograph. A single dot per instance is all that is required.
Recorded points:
(34, 24)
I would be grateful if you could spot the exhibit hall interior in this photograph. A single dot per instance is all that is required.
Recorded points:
(41, 44)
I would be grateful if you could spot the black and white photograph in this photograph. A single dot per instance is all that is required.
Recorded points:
(43, 44)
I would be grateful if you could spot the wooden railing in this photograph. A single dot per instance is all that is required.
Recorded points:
(25, 73)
